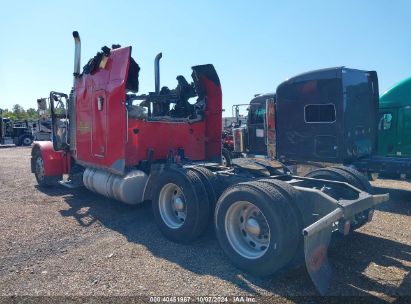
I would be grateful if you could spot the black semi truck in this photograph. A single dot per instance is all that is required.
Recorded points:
(11, 132)
(323, 116)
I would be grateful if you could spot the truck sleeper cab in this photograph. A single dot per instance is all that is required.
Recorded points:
(319, 119)
(318, 116)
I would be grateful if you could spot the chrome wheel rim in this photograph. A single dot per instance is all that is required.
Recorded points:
(247, 230)
(172, 206)
(40, 168)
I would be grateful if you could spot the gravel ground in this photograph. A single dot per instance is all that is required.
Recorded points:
(68, 243)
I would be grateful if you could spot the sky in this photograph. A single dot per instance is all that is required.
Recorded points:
(254, 45)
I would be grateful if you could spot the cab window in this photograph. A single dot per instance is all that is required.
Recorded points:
(385, 122)
(319, 113)
(256, 114)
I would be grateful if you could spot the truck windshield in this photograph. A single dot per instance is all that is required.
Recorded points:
(256, 113)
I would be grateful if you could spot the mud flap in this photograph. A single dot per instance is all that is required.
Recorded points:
(316, 259)
(317, 237)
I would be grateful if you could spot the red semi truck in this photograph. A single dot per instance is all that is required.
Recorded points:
(160, 147)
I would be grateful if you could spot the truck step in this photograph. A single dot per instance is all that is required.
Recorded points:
(70, 184)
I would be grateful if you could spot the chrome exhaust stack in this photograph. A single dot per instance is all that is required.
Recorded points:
(77, 54)
(72, 104)
(157, 72)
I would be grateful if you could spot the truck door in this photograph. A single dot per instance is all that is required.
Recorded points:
(387, 131)
(404, 132)
(99, 124)
(101, 113)
(256, 132)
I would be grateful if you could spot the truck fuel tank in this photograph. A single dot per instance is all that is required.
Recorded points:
(239, 139)
(128, 189)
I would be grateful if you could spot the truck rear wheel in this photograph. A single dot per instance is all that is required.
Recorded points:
(343, 174)
(210, 184)
(361, 179)
(252, 228)
(352, 177)
(295, 219)
(180, 205)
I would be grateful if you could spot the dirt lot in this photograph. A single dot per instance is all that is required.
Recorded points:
(61, 242)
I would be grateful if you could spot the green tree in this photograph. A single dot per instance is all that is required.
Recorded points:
(18, 109)
(8, 114)
(19, 112)
(32, 114)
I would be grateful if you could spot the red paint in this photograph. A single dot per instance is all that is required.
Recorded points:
(270, 129)
(101, 132)
(310, 87)
(101, 129)
(200, 140)
(55, 163)
(163, 137)
(228, 141)
(317, 258)
(213, 122)
(107, 139)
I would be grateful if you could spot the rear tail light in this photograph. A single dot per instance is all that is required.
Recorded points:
(347, 226)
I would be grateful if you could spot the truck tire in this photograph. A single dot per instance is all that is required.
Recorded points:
(26, 141)
(42, 180)
(225, 157)
(334, 174)
(361, 178)
(180, 205)
(253, 228)
(352, 177)
(209, 181)
(343, 174)
(293, 196)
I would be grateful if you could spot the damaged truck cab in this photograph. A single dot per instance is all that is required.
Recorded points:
(164, 148)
